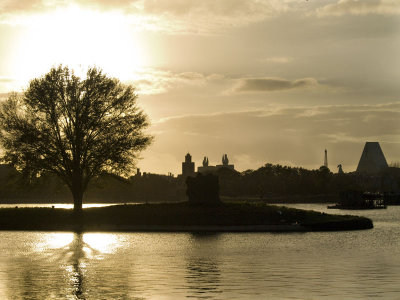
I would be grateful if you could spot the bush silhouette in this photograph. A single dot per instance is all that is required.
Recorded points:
(203, 189)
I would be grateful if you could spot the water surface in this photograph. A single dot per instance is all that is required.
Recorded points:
(58, 205)
(320, 265)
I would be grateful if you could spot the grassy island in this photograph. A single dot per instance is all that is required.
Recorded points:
(225, 216)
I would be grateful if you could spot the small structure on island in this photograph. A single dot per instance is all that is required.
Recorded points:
(340, 169)
(188, 166)
(203, 189)
(353, 199)
(372, 159)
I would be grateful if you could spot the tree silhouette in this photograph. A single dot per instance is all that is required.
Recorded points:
(72, 127)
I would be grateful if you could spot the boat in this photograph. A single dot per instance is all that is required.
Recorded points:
(359, 200)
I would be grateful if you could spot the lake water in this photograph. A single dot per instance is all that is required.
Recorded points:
(58, 205)
(316, 265)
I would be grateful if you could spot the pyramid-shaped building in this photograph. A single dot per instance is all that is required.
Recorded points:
(372, 159)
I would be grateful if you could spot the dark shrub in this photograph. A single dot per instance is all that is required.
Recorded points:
(203, 189)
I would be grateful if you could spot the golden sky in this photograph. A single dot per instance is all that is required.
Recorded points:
(264, 81)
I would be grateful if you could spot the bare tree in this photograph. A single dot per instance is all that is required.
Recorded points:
(72, 127)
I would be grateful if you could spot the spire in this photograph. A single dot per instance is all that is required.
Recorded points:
(326, 159)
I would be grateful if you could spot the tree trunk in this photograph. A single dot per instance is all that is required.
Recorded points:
(78, 212)
(78, 196)
(77, 193)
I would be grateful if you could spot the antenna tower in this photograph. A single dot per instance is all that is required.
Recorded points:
(326, 159)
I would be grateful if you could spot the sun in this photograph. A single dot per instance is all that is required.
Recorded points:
(78, 38)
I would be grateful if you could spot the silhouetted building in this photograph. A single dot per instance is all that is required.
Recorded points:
(340, 169)
(188, 166)
(372, 159)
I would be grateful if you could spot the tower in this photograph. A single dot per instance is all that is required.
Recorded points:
(188, 166)
(326, 159)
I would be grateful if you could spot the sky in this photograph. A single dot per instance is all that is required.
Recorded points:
(274, 81)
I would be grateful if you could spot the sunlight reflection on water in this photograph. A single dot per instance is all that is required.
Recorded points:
(89, 243)
(58, 205)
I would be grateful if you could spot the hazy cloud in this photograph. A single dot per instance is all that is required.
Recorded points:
(244, 11)
(360, 7)
(204, 17)
(173, 15)
(8, 6)
(154, 81)
(6, 79)
(107, 4)
(272, 84)
(277, 59)
(29, 6)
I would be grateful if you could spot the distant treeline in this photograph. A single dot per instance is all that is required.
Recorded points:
(268, 182)
(277, 180)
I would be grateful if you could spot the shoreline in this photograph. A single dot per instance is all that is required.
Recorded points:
(206, 229)
(180, 217)
(172, 228)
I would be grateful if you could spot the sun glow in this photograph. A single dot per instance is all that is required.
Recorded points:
(78, 38)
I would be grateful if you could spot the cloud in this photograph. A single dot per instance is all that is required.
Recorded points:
(206, 16)
(222, 12)
(360, 7)
(155, 81)
(107, 4)
(271, 84)
(4, 79)
(174, 16)
(29, 6)
(8, 6)
(277, 59)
